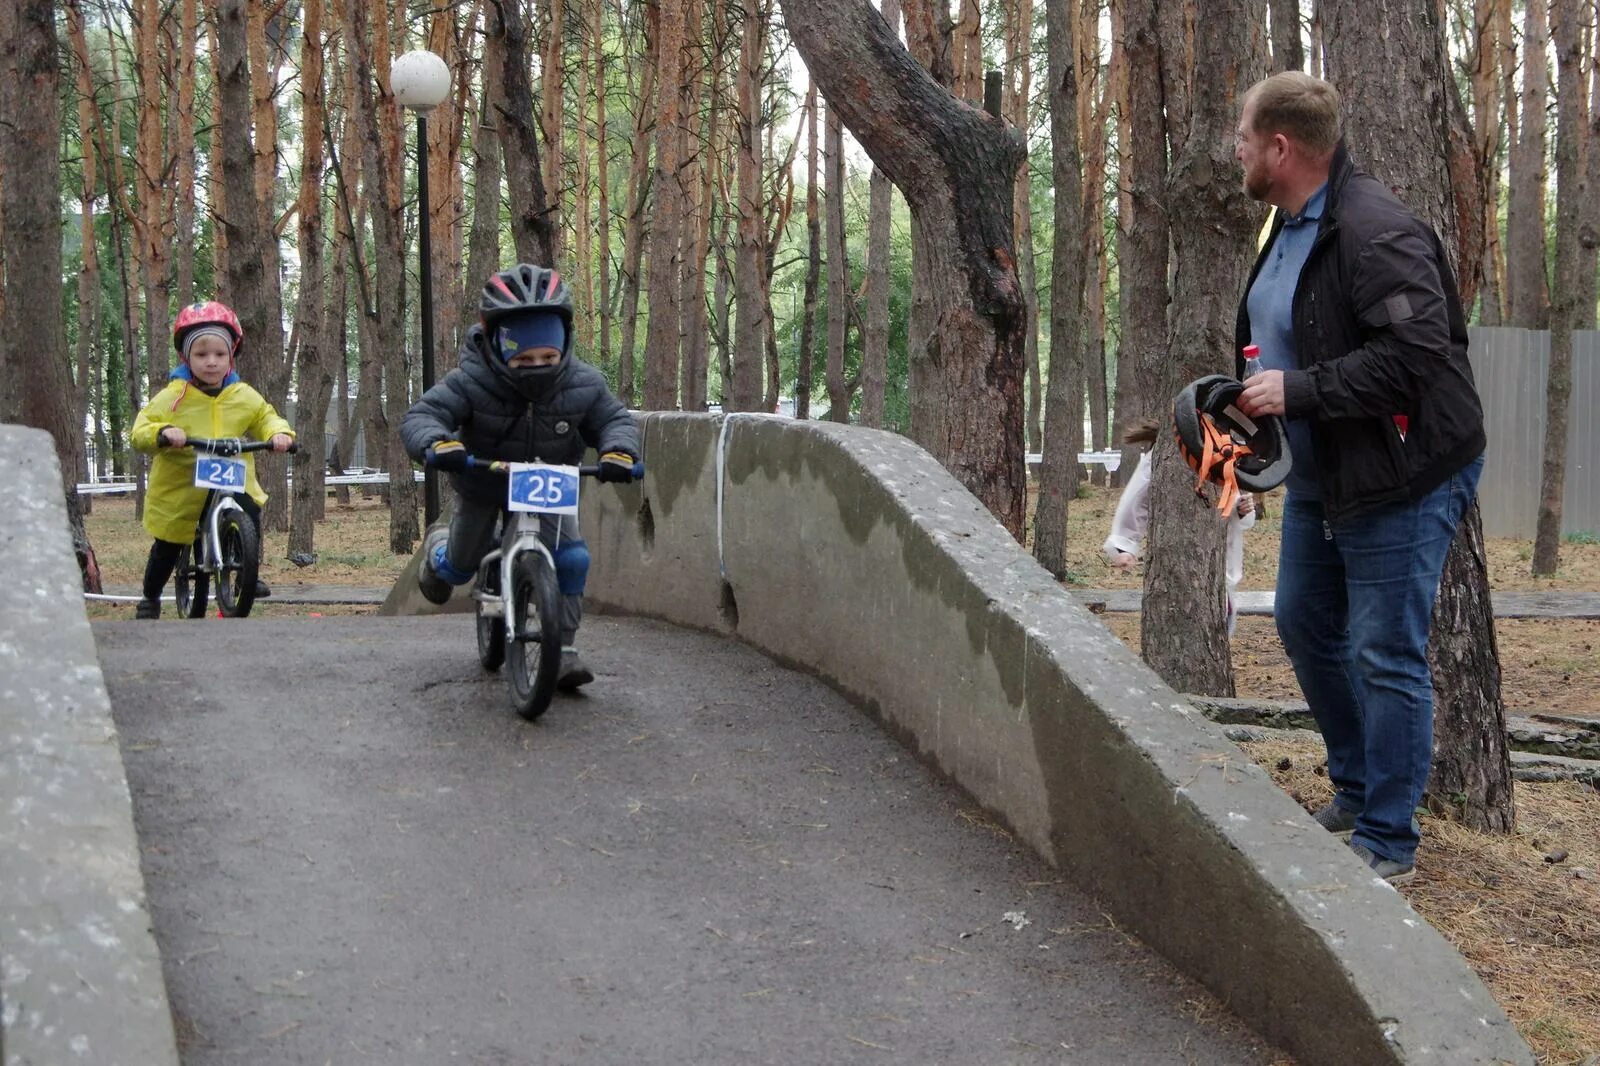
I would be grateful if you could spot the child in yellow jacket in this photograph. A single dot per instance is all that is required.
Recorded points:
(204, 398)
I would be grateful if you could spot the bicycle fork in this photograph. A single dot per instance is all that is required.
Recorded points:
(522, 539)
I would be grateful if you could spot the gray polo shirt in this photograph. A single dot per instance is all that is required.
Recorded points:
(1271, 308)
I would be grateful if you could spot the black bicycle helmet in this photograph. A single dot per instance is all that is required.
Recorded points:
(524, 287)
(1225, 446)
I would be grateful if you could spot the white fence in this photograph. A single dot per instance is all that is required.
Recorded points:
(121, 484)
(1511, 366)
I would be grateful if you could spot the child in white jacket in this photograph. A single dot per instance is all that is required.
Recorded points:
(1132, 520)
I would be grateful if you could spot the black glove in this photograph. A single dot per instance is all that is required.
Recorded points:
(616, 466)
(448, 455)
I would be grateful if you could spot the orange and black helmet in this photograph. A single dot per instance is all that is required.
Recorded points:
(1225, 446)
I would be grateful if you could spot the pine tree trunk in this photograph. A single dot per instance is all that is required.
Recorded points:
(1175, 30)
(722, 311)
(1471, 776)
(351, 226)
(1142, 270)
(216, 188)
(1287, 52)
(551, 92)
(602, 166)
(780, 208)
(384, 389)
(1572, 192)
(929, 30)
(33, 343)
(246, 235)
(314, 362)
(955, 165)
(89, 269)
(183, 183)
(1018, 107)
(838, 266)
(1527, 295)
(638, 191)
(1589, 234)
(151, 224)
(967, 42)
(270, 362)
(483, 255)
(583, 225)
(699, 109)
(1095, 97)
(388, 239)
(1318, 66)
(129, 383)
(1058, 471)
(750, 323)
(532, 230)
(803, 368)
(1486, 144)
(1397, 87)
(662, 339)
(446, 206)
(1184, 629)
(875, 340)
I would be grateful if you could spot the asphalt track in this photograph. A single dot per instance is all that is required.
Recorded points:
(355, 853)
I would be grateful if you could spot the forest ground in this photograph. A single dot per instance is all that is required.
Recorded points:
(1528, 925)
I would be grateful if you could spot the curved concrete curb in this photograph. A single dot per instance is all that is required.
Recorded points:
(80, 977)
(852, 553)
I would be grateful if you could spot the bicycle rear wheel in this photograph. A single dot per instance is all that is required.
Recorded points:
(190, 584)
(534, 656)
(241, 552)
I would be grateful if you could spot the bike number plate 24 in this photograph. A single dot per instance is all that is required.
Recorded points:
(218, 472)
(542, 488)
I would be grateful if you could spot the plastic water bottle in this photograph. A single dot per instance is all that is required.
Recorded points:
(1252, 361)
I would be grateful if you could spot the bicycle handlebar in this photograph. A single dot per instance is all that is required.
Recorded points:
(499, 466)
(228, 445)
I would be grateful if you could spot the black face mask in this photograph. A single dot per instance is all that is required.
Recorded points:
(535, 382)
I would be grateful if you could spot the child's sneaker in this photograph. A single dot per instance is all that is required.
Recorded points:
(147, 609)
(574, 675)
(435, 589)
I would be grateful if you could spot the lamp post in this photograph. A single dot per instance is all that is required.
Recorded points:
(420, 81)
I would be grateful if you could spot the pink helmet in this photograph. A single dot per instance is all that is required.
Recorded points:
(206, 313)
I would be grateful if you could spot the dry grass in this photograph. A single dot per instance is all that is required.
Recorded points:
(1089, 519)
(1548, 665)
(352, 546)
(1529, 927)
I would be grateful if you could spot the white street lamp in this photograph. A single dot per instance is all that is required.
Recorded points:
(420, 81)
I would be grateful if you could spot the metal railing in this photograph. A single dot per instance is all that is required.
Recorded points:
(123, 484)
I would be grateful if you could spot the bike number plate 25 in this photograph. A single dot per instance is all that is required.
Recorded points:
(543, 489)
(218, 472)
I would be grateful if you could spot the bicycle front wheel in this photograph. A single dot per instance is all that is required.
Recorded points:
(241, 553)
(491, 633)
(534, 656)
(190, 584)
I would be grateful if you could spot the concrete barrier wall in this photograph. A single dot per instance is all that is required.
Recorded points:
(80, 978)
(852, 554)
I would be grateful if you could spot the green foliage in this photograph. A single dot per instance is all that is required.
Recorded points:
(1582, 536)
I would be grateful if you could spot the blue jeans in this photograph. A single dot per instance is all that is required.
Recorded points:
(1354, 606)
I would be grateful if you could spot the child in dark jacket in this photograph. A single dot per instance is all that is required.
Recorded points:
(518, 394)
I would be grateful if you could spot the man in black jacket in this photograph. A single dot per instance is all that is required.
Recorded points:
(1364, 346)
